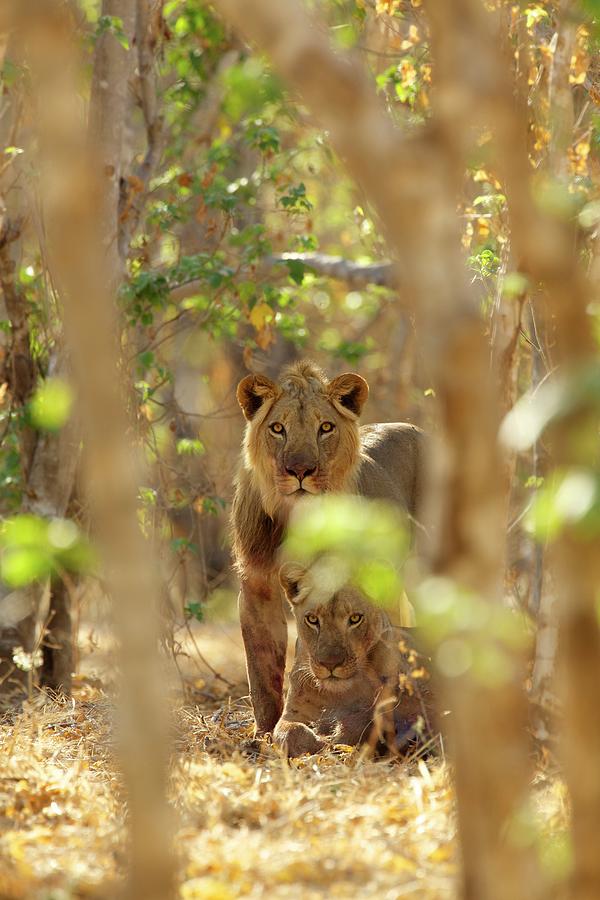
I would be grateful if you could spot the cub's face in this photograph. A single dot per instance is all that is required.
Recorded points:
(302, 435)
(337, 630)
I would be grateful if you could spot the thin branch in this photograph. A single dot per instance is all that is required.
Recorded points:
(355, 275)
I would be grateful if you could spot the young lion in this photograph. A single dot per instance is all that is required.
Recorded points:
(346, 670)
(303, 437)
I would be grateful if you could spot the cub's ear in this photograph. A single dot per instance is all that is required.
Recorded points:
(252, 391)
(348, 393)
(290, 576)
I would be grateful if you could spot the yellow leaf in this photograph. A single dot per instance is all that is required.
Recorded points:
(295, 871)
(265, 338)
(483, 227)
(206, 889)
(260, 315)
(442, 854)
(402, 864)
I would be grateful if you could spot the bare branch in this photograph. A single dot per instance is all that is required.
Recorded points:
(355, 275)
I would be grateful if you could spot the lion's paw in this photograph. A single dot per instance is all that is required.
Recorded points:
(298, 739)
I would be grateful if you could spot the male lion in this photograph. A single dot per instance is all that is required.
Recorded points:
(346, 673)
(302, 437)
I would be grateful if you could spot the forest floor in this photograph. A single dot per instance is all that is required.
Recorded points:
(247, 825)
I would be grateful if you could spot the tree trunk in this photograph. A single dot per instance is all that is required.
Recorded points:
(548, 248)
(79, 178)
(50, 480)
(57, 649)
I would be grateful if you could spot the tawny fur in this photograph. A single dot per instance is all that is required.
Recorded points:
(379, 461)
(345, 684)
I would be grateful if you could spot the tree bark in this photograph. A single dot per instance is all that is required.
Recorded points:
(57, 649)
(80, 193)
(548, 248)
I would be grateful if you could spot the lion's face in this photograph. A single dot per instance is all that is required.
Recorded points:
(302, 433)
(338, 630)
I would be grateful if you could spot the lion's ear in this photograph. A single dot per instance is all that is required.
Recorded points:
(252, 391)
(348, 393)
(290, 576)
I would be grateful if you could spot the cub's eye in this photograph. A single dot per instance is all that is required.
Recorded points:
(311, 619)
(355, 618)
(327, 427)
(277, 428)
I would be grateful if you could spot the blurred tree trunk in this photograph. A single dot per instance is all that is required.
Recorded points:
(111, 101)
(561, 120)
(79, 179)
(547, 246)
(577, 559)
(413, 183)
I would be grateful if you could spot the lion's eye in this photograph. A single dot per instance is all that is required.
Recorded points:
(327, 427)
(277, 428)
(311, 619)
(355, 618)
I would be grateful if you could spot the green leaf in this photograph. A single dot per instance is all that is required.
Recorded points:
(571, 499)
(556, 399)
(147, 496)
(190, 447)
(515, 284)
(112, 25)
(34, 548)
(51, 405)
(350, 539)
(25, 529)
(296, 268)
(195, 611)
(182, 545)
(22, 565)
(146, 359)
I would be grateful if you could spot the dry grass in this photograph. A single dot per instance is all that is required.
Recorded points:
(248, 825)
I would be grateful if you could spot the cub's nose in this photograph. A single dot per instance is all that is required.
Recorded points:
(300, 470)
(332, 661)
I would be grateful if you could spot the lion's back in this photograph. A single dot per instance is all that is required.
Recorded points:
(391, 463)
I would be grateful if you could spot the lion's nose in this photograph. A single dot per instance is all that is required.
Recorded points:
(332, 661)
(300, 470)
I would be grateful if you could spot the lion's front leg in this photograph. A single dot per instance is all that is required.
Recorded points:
(296, 738)
(294, 731)
(264, 631)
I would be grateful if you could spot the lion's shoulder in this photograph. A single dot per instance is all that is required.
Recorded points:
(391, 463)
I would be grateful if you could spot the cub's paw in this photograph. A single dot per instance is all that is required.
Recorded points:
(297, 739)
